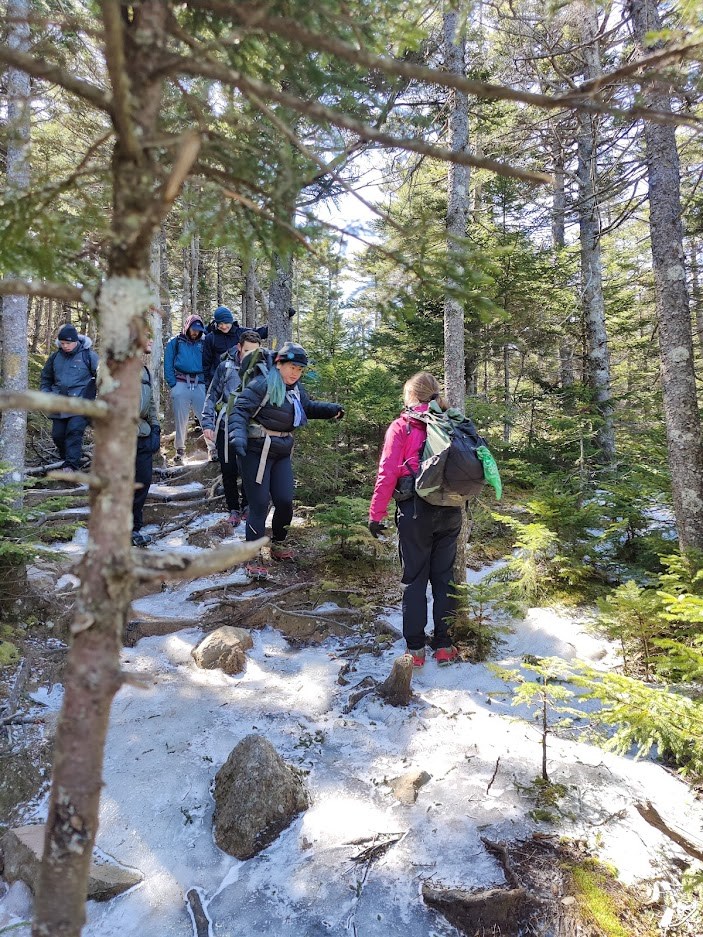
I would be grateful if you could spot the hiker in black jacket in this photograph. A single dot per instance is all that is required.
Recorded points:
(218, 405)
(261, 427)
(223, 335)
(148, 444)
(70, 372)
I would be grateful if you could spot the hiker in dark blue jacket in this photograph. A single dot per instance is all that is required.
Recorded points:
(218, 406)
(70, 372)
(224, 336)
(183, 370)
(261, 426)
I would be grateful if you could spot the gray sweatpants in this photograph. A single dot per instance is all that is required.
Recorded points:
(186, 396)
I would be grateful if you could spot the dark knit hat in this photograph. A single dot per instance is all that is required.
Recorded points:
(223, 314)
(290, 353)
(68, 333)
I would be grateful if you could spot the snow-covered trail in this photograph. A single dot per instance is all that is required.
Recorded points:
(166, 744)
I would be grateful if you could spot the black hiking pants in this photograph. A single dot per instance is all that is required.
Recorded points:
(230, 472)
(143, 472)
(67, 434)
(427, 538)
(276, 485)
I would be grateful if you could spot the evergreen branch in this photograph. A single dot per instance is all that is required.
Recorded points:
(119, 78)
(317, 111)
(53, 403)
(252, 206)
(161, 204)
(651, 61)
(62, 291)
(193, 566)
(256, 18)
(57, 76)
(326, 169)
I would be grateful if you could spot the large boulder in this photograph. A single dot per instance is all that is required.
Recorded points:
(22, 850)
(224, 649)
(257, 796)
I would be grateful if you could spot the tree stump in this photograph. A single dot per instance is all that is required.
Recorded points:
(396, 688)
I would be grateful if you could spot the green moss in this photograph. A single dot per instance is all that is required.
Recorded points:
(601, 901)
(8, 653)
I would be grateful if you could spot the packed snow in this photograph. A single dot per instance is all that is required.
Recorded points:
(166, 744)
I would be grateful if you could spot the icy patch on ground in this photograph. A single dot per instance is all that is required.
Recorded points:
(178, 733)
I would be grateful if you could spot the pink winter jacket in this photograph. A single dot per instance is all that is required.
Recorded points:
(401, 456)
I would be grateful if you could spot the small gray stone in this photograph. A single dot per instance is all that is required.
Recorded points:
(257, 795)
(23, 848)
(407, 785)
(223, 649)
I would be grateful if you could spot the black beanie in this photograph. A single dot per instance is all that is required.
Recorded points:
(68, 333)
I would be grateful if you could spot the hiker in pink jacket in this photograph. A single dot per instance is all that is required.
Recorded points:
(427, 533)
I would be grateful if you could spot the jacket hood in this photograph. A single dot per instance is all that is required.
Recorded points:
(84, 341)
(190, 321)
(418, 408)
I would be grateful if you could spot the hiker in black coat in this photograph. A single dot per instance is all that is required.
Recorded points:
(70, 372)
(222, 393)
(148, 444)
(261, 428)
(223, 335)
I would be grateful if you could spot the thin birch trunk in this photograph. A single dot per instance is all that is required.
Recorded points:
(593, 303)
(194, 274)
(165, 287)
(681, 413)
(155, 364)
(249, 297)
(15, 359)
(219, 285)
(457, 212)
(566, 351)
(280, 297)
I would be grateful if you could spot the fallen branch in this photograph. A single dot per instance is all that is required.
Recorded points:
(161, 497)
(493, 776)
(649, 812)
(198, 915)
(78, 478)
(192, 566)
(53, 403)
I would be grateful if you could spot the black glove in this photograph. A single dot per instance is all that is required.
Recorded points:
(240, 449)
(155, 438)
(376, 528)
(291, 312)
(339, 414)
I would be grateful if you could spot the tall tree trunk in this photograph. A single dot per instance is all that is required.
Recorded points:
(696, 297)
(249, 298)
(219, 276)
(38, 310)
(165, 287)
(457, 209)
(683, 425)
(566, 351)
(156, 321)
(280, 297)
(93, 673)
(186, 301)
(194, 273)
(593, 303)
(15, 361)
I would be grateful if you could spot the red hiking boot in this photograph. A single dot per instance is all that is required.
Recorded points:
(281, 552)
(255, 571)
(446, 655)
(418, 656)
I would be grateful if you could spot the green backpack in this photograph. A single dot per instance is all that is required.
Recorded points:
(455, 461)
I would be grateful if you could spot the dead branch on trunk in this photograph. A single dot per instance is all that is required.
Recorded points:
(188, 566)
(53, 403)
(649, 812)
(78, 478)
(62, 291)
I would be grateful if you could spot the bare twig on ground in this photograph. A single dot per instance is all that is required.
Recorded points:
(493, 776)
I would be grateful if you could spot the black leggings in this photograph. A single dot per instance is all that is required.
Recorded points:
(276, 485)
(427, 537)
(229, 472)
(143, 471)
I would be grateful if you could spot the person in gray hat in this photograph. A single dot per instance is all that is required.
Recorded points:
(70, 372)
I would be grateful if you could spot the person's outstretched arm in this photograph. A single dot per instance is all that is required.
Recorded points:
(320, 409)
